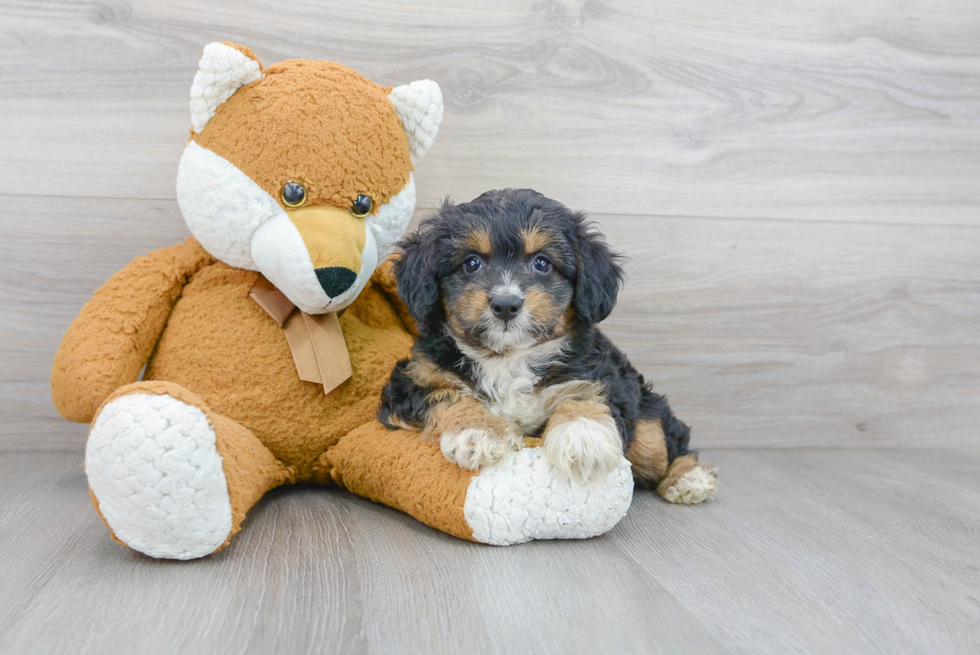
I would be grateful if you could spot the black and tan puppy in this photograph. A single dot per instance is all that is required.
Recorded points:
(506, 292)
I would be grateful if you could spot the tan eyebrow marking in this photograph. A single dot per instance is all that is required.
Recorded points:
(535, 239)
(479, 240)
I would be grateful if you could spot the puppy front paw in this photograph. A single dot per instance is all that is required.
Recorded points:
(585, 448)
(471, 448)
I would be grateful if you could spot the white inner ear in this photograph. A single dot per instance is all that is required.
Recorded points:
(221, 71)
(419, 107)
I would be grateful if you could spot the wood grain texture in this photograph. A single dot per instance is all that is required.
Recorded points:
(836, 110)
(762, 333)
(796, 189)
(811, 551)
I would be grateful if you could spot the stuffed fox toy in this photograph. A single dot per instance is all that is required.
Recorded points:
(265, 339)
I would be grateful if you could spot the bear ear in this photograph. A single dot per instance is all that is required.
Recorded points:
(224, 67)
(419, 107)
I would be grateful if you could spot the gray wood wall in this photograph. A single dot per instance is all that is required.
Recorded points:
(796, 183)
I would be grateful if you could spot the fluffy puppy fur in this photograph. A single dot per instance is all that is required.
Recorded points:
(506, 292)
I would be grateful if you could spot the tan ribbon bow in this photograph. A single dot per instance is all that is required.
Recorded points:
(315, 341)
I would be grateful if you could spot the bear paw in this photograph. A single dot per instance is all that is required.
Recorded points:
(154, 468)
(525, 497)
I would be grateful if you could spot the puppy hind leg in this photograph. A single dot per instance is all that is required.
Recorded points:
(688, 481)
(648, 453)
(682, 480)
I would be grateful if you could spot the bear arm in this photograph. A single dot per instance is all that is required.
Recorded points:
(520, 498)
(114, 335)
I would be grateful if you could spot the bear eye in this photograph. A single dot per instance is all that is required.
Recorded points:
(472, 264)
(362, 206)
(541, 264)
(293, 194)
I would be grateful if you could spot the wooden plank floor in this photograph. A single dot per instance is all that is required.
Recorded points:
(796, 187)
(816, 551)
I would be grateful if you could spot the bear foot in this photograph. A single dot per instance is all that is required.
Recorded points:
(155, 471)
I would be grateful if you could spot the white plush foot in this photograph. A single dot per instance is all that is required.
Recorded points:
(524, 497)
(584, 448)
(153, 466)
(472, 448)
(693, 487)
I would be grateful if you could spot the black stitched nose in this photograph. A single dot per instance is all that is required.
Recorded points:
(335, 280)
(506, 307)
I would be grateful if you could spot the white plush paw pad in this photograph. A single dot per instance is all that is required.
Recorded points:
(524, 497)
(152, 463)
(472, 448)
(584, 448)
(695, 486)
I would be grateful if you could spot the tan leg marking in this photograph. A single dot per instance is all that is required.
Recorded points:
(457, 412)
(468, 434)
(445, 387)
(648, 452)
(427, 374)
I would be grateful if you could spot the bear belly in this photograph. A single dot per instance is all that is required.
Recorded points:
(219, 344)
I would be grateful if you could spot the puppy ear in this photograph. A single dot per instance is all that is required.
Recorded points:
(599, 276)
(418, 286)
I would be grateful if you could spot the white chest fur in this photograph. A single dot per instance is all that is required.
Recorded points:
(506, 384)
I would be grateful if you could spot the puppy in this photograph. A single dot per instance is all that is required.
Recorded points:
(506, 292)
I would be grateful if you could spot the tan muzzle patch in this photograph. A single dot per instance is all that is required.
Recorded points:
(333, 237)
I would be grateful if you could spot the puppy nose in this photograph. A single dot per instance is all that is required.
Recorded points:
(506, 307)
(335, 279)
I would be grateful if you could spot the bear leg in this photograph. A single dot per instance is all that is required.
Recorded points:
(171, 478)
(520, 498)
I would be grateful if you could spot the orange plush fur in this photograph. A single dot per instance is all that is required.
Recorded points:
(189, 319)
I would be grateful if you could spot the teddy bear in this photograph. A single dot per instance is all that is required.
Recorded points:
(253, 354)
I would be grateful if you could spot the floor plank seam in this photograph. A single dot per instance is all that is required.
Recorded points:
(425, 210)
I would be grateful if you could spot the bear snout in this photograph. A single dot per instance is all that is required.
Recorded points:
(335, 279)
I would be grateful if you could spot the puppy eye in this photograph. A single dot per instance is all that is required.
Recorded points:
(472, 264)
(541, 264)
(293, 194)
(362, 206)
